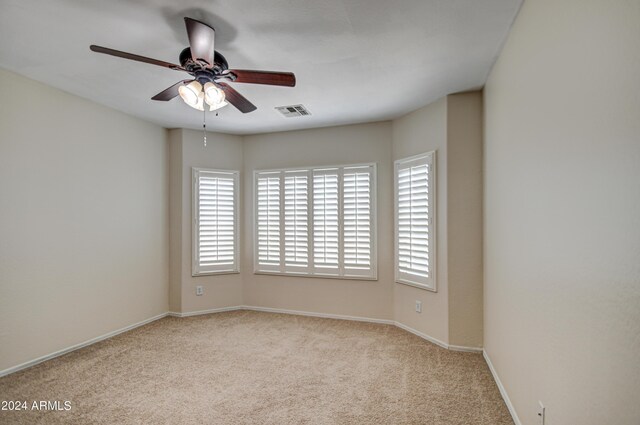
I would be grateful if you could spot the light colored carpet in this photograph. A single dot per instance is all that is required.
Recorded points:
(247, 367)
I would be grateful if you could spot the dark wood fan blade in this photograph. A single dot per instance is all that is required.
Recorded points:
(201, 40)
(287, 79)
(236, 99)
(171, 92)
(131, 56)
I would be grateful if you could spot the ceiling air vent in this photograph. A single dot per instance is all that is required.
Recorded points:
(293, 111)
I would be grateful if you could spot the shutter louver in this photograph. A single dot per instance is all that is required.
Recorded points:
(357, 220)
(296, 221)
(414, 229)
(325, 220)
(215, 224)
(268, 221)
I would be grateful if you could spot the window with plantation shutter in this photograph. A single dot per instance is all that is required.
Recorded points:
(316, 221)
(296, 220)
(357, 220)
(414, 211)
(268, 206)
(215, 222)
(325, 221)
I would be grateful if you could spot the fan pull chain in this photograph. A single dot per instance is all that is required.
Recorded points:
(204, 127)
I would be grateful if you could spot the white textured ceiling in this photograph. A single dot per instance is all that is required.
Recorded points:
(355, 60)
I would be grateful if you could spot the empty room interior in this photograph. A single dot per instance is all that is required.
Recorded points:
(320, 212)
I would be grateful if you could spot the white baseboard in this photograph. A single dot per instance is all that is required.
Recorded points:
(314, 314)
(437, 341)
(262, 309)
(330, 316)
(503, 391)
(465, 349)
(78, 346)
(422, 335)
(333, 316)
(209, 311)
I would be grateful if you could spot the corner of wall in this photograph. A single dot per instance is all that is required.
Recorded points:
(174, 141)
(418, 132)
(223, 151)
(464, 218)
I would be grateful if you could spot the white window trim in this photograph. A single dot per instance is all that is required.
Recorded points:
(432, 281)
(312, 273)
(195, 269)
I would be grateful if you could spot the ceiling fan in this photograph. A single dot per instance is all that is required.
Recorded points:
(210, 72)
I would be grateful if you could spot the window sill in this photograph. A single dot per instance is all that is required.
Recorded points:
(221, 272)
(316, 276)
(416, 285)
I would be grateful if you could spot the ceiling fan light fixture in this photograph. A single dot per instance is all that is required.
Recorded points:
(214, 97)
(200, 105)
(190, 93)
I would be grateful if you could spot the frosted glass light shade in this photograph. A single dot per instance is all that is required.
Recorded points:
(191, 93)
(214, 96)
(200, 105)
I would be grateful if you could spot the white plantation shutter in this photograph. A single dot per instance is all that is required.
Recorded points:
(415, 244)
(268, 220)
(325, 221)
(316, 221)
(357, 220)
(215, 221)
(296, 220)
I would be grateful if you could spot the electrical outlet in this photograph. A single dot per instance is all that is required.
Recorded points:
(541, 413)
(199, 290)
(418, 306)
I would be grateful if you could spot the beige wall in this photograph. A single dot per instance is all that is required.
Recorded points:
(562, 212)
(224, 152)
(83, 220)
(464, 218)
(175, 220)
(418, 132)
(325, 146)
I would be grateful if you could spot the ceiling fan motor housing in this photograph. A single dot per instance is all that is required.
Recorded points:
(193, 67)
